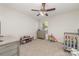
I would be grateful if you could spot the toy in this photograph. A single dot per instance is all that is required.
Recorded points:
(52, 38)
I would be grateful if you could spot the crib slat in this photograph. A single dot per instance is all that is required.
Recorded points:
(72, 40)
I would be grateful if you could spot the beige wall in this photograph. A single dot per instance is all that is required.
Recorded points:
(67, 22)
(17, 24)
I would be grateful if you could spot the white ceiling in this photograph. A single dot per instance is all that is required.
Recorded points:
(26, 8)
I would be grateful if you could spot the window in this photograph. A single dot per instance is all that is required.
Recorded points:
(45, 25)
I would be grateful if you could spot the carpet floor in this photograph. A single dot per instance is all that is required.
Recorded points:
(43, 48)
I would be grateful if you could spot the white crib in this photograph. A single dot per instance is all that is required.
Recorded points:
(71, 40)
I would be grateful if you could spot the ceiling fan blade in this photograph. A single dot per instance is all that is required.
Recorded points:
(38, 14)
(43, 6)
(46, 14)
(51, 9)
(35, 10)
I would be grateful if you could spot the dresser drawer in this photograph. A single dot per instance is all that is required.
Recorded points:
(8, 45)
(12, 52)
(9, 49)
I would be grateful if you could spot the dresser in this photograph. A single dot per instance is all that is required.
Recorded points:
(9, 47)
(41, 34)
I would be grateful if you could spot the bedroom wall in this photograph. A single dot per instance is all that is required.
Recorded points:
(17, 24)
(67, 22)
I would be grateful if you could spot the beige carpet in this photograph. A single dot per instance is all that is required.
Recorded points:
(42, 48)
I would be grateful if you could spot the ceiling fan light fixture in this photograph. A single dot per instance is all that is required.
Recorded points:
(42, 13)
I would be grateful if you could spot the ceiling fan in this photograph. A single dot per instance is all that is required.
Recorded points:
(44, 11)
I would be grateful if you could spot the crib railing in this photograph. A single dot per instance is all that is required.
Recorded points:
(71, 40)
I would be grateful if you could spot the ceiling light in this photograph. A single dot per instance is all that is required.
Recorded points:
(42, 13)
